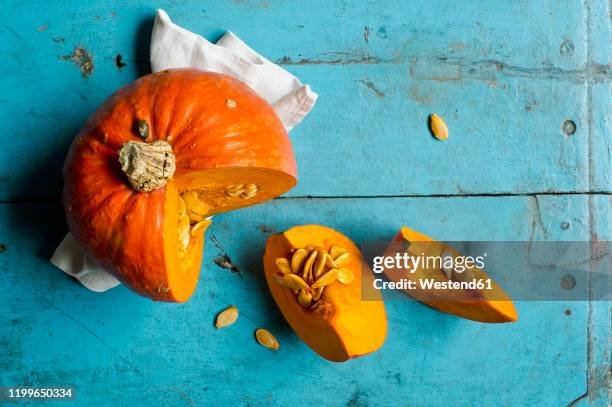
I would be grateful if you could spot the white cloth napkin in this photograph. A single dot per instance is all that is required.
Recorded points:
(175, 47)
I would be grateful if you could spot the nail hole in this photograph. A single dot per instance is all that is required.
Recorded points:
(2, 248)
(565, 225)
(568, 127)
(568, 312)
(568, 282)
(119, 61)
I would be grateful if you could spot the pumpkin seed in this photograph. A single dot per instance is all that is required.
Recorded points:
(294, 281)
(307, 271)
(336, 251)
(319, 265)
(194, 204)
(226, 317)
(466, 275)
(305, 298)
(265, 338)
(438, 127)
(249, 194)
(233, 193)
(230, 103)
(326, 279)
(329, 262)
(297, 260)
(245, 192)
(183, 232)
(318, 292)
(342, 259)
(345, 276)
(278, 279)
(201, 225)
(283, 265)
(181, 208)
(194, 217)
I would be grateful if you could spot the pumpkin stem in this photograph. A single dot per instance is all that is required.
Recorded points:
(147, 166)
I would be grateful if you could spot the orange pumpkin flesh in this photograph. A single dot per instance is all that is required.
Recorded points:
(221, 134)
(341, 326)
(493, 306)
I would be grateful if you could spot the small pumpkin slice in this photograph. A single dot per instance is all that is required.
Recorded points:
(492, 306)
(332, 319)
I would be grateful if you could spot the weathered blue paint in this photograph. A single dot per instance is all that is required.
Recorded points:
(505, 76)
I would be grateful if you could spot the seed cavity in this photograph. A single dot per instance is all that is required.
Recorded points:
(265, 338)
(192, 220)
(307, 271)
(226, 317)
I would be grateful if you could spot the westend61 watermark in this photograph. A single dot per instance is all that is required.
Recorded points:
(532, 271)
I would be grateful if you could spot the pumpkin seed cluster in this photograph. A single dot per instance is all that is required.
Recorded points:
(309, 270)
(191, 217)
(244, 191)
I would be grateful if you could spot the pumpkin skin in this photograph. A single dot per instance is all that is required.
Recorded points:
(216, 144)
(491, 306)
(349, 327)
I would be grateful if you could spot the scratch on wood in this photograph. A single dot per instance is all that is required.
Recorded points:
(366, 34)
(260, 4)
(15, 33)
(98, 338)
(537, 218)
(370, 85)
(366, 60)
(443, 68)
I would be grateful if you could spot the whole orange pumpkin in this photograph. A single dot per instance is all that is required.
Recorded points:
(156, 160)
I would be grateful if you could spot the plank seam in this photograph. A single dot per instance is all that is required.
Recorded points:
(463, 195)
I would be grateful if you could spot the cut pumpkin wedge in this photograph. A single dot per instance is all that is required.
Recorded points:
(325, 311)
(490, 305)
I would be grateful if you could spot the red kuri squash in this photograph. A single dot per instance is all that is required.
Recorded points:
(156, 160)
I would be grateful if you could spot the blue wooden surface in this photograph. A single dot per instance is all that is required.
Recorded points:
(504, 74)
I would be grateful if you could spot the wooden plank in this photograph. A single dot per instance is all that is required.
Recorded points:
(57, 332)
(505, 92)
